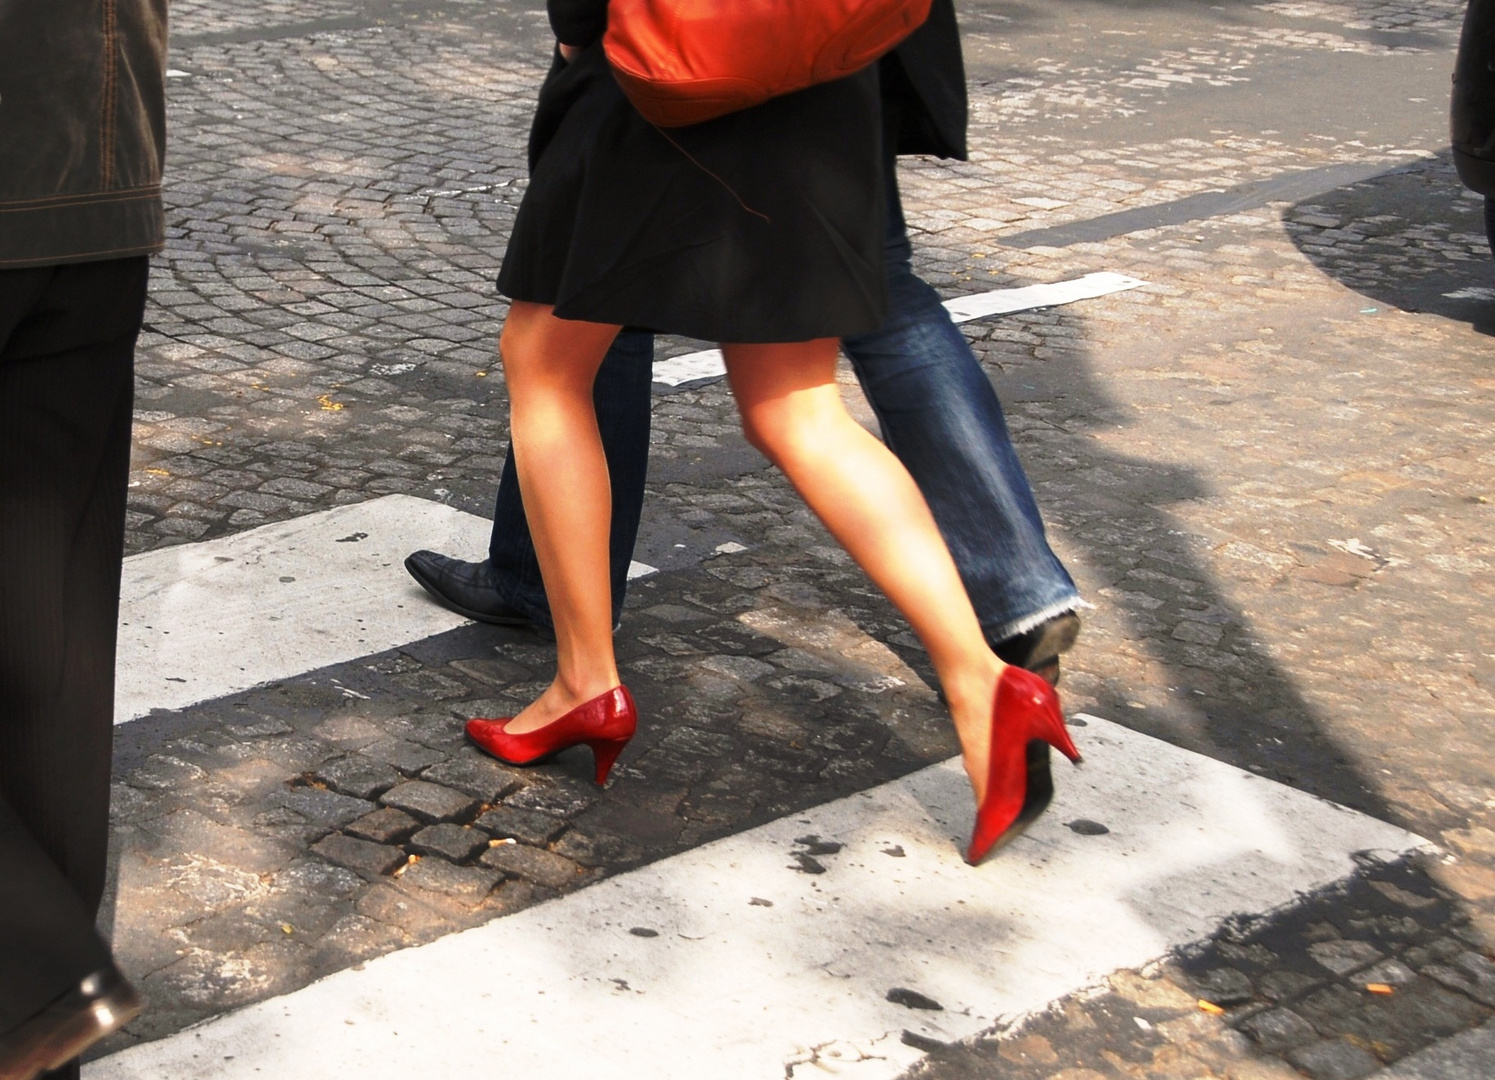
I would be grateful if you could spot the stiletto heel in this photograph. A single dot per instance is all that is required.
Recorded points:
(605, 724)
(604, 753)
(1025, 722)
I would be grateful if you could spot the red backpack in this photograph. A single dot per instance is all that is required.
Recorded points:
(684, 61)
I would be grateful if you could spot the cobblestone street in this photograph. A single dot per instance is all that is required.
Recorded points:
(1268, 469)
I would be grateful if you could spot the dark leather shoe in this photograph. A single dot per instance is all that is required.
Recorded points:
(1038, 649)
(98, 1006)
(468, 588)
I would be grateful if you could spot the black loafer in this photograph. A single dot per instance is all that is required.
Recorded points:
(468, 588)
(99, 1005)
(1038, 649)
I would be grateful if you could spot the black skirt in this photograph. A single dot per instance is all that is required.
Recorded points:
(765, 225)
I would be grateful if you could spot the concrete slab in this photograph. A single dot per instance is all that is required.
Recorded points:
(203, 620)
(739, 960)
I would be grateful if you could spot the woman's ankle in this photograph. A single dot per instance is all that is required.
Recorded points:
(578, 688)
(969, 694)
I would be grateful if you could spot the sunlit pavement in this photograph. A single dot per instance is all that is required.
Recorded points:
(1266, 466)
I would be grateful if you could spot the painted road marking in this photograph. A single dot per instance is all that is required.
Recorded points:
(708, 363)
(203, 620)
(1006, 301)
(730, 962)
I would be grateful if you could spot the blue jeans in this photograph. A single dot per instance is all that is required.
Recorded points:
(938, 413)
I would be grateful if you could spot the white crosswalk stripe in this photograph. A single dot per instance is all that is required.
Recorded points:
(708, 363)
(204, 620)
(747, 968)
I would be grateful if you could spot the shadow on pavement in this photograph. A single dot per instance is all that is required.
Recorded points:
(1422, 216)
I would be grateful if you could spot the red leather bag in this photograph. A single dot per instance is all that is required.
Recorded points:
(684, 61)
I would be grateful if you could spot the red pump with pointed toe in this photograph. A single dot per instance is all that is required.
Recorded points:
(1025, 721)
(605, 724)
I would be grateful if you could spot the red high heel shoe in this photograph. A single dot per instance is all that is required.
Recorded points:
(605, 724)
(1025, 722)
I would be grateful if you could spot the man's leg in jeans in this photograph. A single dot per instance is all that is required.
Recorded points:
(940, 415)
(622, 395)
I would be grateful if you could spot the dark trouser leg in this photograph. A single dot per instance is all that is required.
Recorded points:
(67, 337)
(940, 415)
(622, 395)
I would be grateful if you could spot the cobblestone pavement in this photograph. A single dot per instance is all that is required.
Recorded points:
(1268, 471)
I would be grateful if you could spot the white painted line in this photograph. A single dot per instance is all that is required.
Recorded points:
(208, 619)
(203, 620)
(708, 363)
(1006, 301)
(760, 971)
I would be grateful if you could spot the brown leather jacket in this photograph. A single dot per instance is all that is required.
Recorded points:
(82, 129)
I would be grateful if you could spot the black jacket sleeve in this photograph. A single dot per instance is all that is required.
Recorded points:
(577, 22)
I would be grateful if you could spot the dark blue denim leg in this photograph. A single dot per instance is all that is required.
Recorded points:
(622, 395)
(940, 415)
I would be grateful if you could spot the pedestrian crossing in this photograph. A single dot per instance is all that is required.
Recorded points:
(204, 620)
(732, 961)
(771, 953)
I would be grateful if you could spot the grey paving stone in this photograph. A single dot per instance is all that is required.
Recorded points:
(544, 868)
(1282, 985)
(555, 796)
(384, 826)
(526, 826)
(1406, 1021)
(597, 849)
(429, 802)
(1277, 1030)
(455, 843)
(326, 808)
(1225, 986)
(469, 885)
(257, 728)
(1466, 1056)
(1334, 1059)
(481, 777)
(408, 757)
(1469, 972)
(162, 773)
(1343, 957)
(369, 859)
(359, 776)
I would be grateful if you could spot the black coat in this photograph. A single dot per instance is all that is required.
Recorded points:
(1472, 117)
(763, 225)
(924, 81)
(924, 88)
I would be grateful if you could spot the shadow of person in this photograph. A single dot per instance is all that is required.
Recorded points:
(1170, 650)
(1412, 238)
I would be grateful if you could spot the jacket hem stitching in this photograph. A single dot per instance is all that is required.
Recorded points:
(53, 201)
(86, 256)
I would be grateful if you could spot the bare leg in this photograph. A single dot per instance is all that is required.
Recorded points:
(549, 365)
(792, 412)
